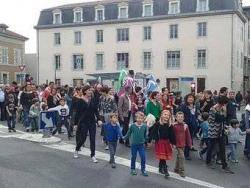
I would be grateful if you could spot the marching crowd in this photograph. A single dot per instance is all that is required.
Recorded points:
(138, 120)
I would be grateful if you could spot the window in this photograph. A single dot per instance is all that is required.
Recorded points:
(57, 17)
(78, 62)
(5, 78)
(147, 33)
(173, 59)
(78, 37)
(99, 36)
(147, 10)
(57, 37)
(174, 7)
(78, 15)
(57, 62)
(202, 5)
(4, 55)
(202, 29)
(123, 12)
(122, 61)
(99, 61)
(17, 56)
(77, 82)
(202, 59)
(19, 78)
(58, 82)
(123, 34)
(173, 31)
(99, 14)
(147, 57)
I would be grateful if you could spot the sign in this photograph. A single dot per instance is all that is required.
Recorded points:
(48, 120)
(22, 67)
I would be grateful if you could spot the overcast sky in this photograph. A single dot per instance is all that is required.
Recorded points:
(22, 15)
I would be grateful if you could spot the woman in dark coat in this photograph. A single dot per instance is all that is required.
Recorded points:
(86, 116)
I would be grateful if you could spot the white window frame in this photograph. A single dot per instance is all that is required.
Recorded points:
(146, 33)
(149, 64)
(60, 67)
(166, 60)
(175, 35)
(55, 43)
(21, 79)
(1, 77)
(78, 69)
(4, 56)
(147, 3)
(206, 58)
(99, 8)
(198, 29)
(123, 38)
(118, 66)
(122, 6)
(97, 36)
(79, 41)
(170, 11)
(17, 56)
(57, 12)
(198, 6)
(96, 63)
(78, 10)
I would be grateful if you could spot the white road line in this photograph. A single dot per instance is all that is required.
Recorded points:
(103, 156)
(125, 162)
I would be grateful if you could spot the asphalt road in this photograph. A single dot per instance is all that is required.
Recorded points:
(31, 165)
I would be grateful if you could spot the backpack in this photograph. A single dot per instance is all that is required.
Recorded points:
(2, 96)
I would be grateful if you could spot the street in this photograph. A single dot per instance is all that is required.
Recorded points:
(34, 165)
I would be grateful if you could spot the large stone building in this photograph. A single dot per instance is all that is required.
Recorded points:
(179, 41)
(12, 48)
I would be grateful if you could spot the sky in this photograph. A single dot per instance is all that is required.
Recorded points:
(22, 15)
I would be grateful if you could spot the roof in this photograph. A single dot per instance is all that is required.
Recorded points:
(160, 8)
(246, 10)
(10, 34)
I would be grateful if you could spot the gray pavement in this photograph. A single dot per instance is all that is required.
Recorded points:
(47, 167)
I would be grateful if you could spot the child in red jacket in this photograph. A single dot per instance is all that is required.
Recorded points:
(183, 138)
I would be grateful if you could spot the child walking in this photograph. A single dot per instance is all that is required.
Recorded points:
(234, 133)
(138, 136)
(112, 132)
(163, 134)
(183, 139)
(34, 115)
(204, 138)
(11, 109)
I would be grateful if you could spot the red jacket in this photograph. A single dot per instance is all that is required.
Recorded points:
(182, 135)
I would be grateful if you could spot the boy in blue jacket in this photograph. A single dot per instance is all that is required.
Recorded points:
(112, 132)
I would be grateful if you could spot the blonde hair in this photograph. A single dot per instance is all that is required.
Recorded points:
(112, 115)
(139, 114)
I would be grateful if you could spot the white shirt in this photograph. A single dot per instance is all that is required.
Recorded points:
(62, 110)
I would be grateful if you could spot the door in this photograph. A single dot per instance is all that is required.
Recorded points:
(173, 84)
(201, 84)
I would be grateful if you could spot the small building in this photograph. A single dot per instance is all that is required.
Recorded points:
(12, 49)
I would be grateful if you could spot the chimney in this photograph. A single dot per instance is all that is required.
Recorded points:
(3, 27)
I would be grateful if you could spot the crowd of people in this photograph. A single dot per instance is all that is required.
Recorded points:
(153, 119)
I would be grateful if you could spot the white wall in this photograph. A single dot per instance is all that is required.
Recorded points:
(218, 44)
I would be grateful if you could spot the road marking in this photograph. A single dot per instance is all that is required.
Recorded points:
(125, 162)
(102, 156)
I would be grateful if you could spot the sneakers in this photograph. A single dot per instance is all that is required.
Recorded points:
(113, 165)
(133, 173)
(234, 161)
(200, 155)
(144, 173)
(14, 130)
(227, 170)
(107, 148)
(166, 173)
(76, 155)
(94, 159)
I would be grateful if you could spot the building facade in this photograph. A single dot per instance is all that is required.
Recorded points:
(180, 42)
(32, 66)
(12, 48)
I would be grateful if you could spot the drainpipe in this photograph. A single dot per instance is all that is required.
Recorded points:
(232, 51)
(37, 48)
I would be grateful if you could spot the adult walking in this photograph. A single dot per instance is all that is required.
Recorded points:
(86, 116)
(247, 123)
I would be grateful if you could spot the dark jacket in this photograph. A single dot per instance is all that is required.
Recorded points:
(164, 132)
(112, 132)
(26, 100)
(190, 119)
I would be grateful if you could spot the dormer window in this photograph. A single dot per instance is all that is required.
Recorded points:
(174, 7)
(78, 15)
(202, 5)
(99, 13)
(123, 10)
(57, 17)
(147, 8)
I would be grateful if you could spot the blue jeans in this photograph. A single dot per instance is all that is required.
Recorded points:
(232, 153)
(11, 121)
(26, 119)
(141, 149)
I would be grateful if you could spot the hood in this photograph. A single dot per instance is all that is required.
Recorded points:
(151, 77)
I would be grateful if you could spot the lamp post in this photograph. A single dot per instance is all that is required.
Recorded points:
(21, 68)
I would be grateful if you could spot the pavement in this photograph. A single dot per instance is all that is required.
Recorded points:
(26, 160)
